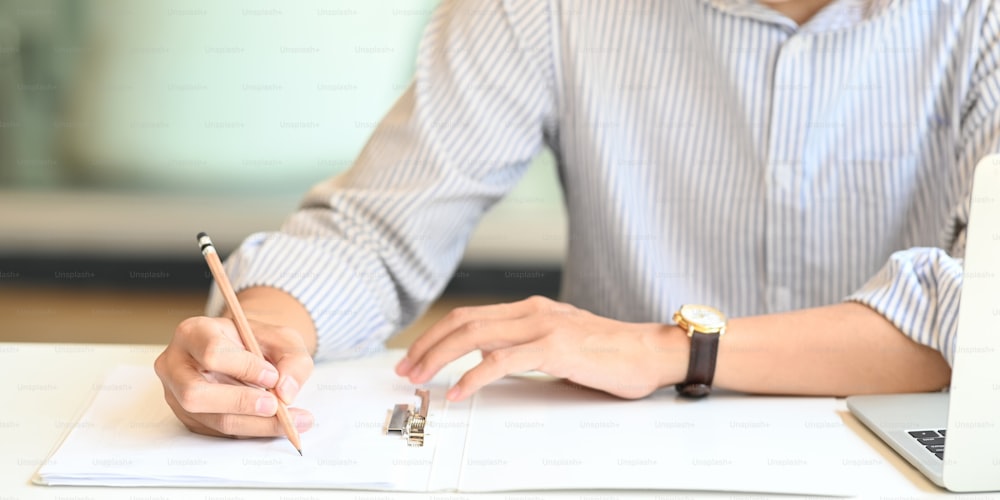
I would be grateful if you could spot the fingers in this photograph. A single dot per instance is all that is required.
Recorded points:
(292, 358)
(205, 368)
(245, 426)
(463, 315)
(232, 425)
(195, 393)
(215, 345)
(490, 336)
(497, 365)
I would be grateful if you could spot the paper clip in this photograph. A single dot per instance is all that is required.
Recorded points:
(403, 420)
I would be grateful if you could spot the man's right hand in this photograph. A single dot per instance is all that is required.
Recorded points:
(207, 376)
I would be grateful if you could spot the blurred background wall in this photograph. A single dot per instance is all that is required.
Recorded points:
(127, 127)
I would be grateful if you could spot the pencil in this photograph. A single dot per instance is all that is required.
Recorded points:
(243, 327)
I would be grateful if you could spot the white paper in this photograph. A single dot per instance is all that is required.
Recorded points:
(553, 435)
(130, 437)
(517, 434)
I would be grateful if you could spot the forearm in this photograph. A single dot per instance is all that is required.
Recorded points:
(835, 350)
(276, 307)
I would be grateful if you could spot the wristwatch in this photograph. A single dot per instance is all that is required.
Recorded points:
(704, 326)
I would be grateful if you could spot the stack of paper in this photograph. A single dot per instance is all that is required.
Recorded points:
(518, 434)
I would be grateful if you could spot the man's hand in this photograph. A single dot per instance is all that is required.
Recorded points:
(207, 374)
(628, 360)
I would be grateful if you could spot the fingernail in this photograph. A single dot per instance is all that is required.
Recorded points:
(303, 422)
(289, 389)
(453, 394)
(416, 373)
(267, 406)
(268, 377)
(404, 366)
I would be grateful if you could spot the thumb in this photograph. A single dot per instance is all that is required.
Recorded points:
(288, 352)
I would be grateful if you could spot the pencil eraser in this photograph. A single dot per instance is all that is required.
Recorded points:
(204, 242)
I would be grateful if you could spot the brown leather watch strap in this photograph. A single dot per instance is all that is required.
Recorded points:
(701, 367)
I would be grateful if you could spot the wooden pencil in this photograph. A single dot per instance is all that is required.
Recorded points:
(243, 327)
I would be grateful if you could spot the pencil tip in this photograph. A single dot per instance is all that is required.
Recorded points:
(300, 452)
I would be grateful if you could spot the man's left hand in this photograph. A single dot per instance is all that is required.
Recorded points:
(628, 360)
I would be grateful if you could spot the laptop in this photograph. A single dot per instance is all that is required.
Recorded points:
(954, 437)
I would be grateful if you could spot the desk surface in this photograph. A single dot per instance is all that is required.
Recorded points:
(46, 386)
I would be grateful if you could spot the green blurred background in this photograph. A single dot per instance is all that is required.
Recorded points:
(126, 126)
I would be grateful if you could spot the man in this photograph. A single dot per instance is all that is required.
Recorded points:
(801, 165)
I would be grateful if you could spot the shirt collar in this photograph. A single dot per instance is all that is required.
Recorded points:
(840, 14)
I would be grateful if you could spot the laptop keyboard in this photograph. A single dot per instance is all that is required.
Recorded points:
(932, 440)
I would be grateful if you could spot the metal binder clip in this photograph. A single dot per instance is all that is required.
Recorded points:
(403, 420)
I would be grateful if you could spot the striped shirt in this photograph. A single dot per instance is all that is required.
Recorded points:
(710, 151)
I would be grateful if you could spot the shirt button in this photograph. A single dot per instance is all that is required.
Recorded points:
(782, 174)
(795, 46)
(782, 299)
(783, 179)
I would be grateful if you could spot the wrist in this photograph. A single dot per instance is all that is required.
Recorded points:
(276, 307)
(672, 352)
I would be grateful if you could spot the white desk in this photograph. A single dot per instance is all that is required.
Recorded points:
(45, 386)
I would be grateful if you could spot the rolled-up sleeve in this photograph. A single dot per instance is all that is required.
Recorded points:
(919, 289)
(369, 250)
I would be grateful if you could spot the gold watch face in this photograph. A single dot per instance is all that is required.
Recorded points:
(704, 319)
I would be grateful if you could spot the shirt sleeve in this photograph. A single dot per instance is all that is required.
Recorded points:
(919, 289)
(368, 250)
